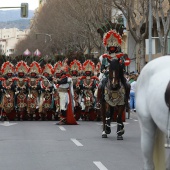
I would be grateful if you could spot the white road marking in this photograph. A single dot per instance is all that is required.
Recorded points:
(62, 128)
(6, 123)
(76, 142)
(100, 165)
(135, 120)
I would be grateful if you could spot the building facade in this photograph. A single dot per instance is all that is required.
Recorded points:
(9, 38)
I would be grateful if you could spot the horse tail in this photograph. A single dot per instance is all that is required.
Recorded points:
(159, 151)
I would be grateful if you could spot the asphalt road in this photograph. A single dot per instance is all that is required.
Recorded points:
(42, 145)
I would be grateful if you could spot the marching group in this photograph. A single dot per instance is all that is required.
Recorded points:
(35, 92)
(67, 91)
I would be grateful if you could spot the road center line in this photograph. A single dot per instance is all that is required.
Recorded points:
(62, 128)
(76, 142)
(100, 165)
(135, 120)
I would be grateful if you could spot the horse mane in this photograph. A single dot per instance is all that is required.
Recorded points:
(114, 65)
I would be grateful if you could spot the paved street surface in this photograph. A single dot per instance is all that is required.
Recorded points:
(42, 145)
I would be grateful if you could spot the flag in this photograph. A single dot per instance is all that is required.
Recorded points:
(27, 52)
(37, 53)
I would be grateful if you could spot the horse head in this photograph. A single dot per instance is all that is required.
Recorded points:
(115, 71)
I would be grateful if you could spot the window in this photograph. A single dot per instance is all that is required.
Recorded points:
(158, 45)
(11, 50)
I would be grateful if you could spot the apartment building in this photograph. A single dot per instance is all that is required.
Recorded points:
(9, 38)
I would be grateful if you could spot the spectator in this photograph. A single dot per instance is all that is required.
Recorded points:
(132, 93)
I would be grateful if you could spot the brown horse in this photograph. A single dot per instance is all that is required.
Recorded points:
(111, 97)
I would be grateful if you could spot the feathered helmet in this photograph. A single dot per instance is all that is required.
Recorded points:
(47, 70)
(88, 67)
(21, 68)
(34, 69)
(112, 41)
(7, 68)
(65, 67)
(75, 67)
(57, 68)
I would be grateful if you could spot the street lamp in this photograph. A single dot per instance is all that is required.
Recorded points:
(150, 30)
(45, 34)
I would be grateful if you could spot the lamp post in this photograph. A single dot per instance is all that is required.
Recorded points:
(45, 34)
(150, 30)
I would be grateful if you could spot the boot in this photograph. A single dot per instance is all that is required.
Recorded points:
(62, 118)
(62, 121)
(127, 97)
(127, 105)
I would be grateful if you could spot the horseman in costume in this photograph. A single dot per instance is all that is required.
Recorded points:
(75, 71)
(87, 85)
(112, 41)
(46, 101)
(65, 89)
(21, 89)
(8, 89)
(33, 90)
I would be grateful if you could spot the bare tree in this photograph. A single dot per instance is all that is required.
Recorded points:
(72, 25)
(136, 13)
(162, 16)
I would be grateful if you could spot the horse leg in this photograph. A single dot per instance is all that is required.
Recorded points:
(120, 125)
(148, 131)
(106, 121)
(103, 110)
(109, 115)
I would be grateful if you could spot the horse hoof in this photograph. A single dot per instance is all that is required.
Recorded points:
(119, 137)
(104, 135)
(108, 132)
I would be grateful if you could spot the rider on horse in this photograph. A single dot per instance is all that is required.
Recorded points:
(112, 41)
(115, 61)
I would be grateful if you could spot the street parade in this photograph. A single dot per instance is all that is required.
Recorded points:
(85, 84)
(65, 89)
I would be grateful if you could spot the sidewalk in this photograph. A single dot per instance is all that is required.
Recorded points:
(133, 115)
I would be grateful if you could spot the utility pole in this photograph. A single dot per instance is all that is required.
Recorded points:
(23, 7)
(150, 30)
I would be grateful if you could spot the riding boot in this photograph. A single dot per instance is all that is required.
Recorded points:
(107, 125)
(127, 96)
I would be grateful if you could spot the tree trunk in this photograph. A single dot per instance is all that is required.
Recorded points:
(142, 54)
(164, 46)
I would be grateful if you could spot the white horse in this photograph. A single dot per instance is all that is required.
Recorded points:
(153, 108)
